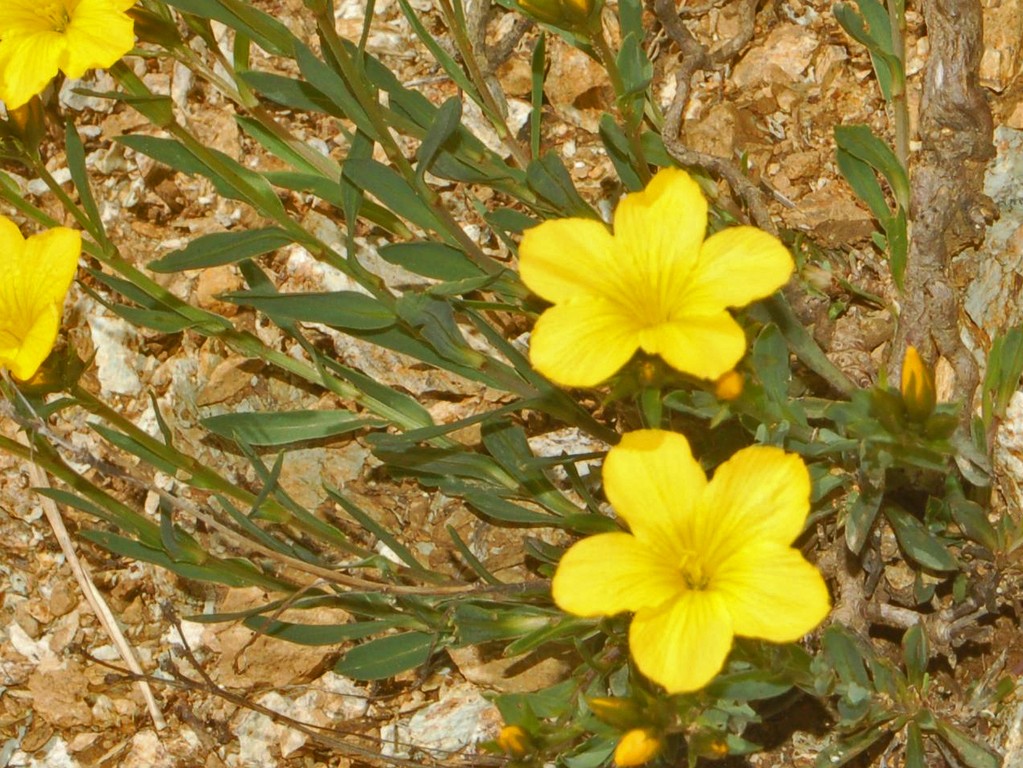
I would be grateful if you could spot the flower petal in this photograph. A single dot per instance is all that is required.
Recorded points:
(683, 644)
(23, 356)
(772, 592)
(49, 264)
(99, 34)
(659, 231)
(22, 17)
(702, 346)
(582, 342)
(736, 266)
(610, 573)
(27, 64)
(566, 258)
(760, 494)
(654, 484)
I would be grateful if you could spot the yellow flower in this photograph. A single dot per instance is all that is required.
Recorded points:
(729, 386)
(918, 391)
(638, 746)
(38, 37)
(705, 560)
(656, 284)
(35, 275)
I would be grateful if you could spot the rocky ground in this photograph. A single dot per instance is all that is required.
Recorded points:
(773, 107)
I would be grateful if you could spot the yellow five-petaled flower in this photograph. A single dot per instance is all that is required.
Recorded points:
(705, 560)
(35, 275)
(38, 37)
(656, 284)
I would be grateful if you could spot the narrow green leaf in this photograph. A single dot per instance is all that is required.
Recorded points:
(392, 190)
(431, 259)
(290, 92)
(338, 309)
(973, 521)
(80, 176)
(538, 73)
(387, 656)
(283, 428)
(914, 747)
(449, 118)
(864, 183)
(222, 248)
(915, 654)
(860, 141)
(845, 656)
(316, 634)
(269, 33)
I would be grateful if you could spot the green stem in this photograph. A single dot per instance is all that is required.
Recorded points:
(491, 107)
(625, 107)
(900, 105)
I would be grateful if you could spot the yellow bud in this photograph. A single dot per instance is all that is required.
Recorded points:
(514, 741)
(918, 392)
(617, 712)
(638, 746)
(574, 15)
(729, 386)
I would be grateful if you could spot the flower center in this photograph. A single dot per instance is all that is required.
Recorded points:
(55, 13)
(693, 573)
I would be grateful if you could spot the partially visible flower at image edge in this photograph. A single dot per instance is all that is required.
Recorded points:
(39, 37)
(704, 561)
(35, 275)
(656, 284)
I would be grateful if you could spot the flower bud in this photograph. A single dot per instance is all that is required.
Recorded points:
(574, 15)
(638, 746)
(28, 123)
(729, 386)
(619, 713)
(918, 391)
(514, 741)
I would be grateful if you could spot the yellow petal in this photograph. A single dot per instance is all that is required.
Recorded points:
(50, 261)
(610, 573)
(736, 266)
(27, 64)
(683, 644)
(702, 346)
(760, 494)
(22, 17)
(659, 231)
(772, 592)
(23, 354)
(654, 484)
(565, 258)
(582, 342)
(99, 34)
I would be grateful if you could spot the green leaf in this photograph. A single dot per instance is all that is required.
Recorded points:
(972, 753)
(431, 259)
(897, 233)
(749, 686)
(845, 656)
(333, 86)
(862, 508)
(387, 656)
(449, 119)
(222, 248)
(435, 321)
(392, 190)
(860, 142)
(549, 179)
(266, 31)
(75, 153)
(316, 634)
(229, 177)
(915, 654)
(849, 747)
(617, 146)
(271, 428)
(290, 92)
(973, 521)
(917, 542)
(538, 73)
(338, 309)
(864, 183)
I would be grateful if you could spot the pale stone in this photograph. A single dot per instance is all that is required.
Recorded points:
(782, 57)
